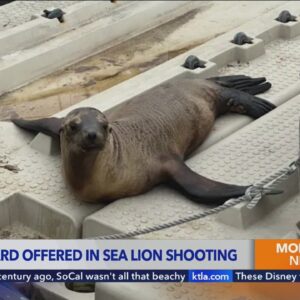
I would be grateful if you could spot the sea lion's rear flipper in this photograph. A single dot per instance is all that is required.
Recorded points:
(237, 95)
(244, 103)
(199, 188)
(49, 126)
(243, 83)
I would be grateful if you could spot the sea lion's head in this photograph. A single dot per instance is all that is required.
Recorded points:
(85, 129)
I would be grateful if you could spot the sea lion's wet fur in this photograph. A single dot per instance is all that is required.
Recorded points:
(145, 140)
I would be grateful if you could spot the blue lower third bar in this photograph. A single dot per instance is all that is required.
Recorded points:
(93, 276)
(266, 276)
(210, 276)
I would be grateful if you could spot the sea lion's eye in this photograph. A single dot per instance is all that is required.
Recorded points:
(105, 126)
(73, 126)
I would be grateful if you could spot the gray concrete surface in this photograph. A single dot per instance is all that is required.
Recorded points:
(65, 49)
(90, 76)
(17, 13)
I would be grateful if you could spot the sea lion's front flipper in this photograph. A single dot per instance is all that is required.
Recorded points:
(49, 126)
(199, 188)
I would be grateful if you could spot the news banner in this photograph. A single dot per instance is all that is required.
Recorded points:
(150, 261)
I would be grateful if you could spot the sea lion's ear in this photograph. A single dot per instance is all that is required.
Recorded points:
(109, 128)
(50, 126)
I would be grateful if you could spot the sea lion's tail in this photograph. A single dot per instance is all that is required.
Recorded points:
(243, 83)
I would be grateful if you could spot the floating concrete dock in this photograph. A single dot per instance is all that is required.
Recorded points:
(238, 150)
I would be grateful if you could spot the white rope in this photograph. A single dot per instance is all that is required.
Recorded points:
(253, 195)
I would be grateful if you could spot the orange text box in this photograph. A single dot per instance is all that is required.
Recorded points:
(277, 254)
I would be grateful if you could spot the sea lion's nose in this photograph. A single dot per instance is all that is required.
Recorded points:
(91, 135)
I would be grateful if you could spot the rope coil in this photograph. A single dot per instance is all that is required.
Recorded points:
(252, 195)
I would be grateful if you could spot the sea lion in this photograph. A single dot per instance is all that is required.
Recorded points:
(144, 141)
